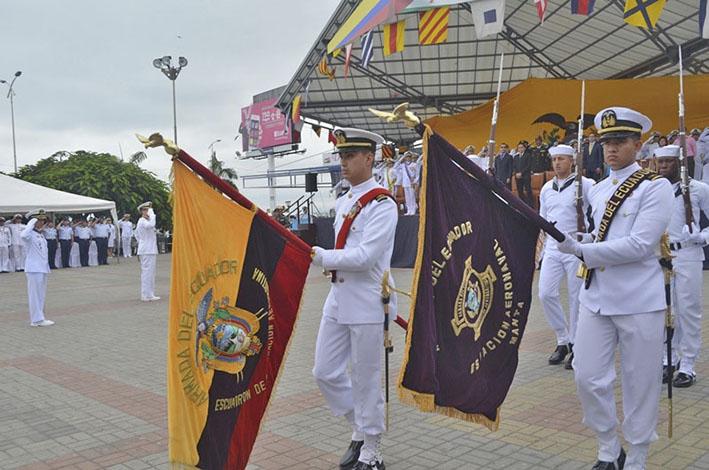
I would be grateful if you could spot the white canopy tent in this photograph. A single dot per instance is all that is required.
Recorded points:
(18, 196)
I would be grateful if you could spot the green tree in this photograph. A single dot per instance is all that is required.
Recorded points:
(227, 174)
(103, 176)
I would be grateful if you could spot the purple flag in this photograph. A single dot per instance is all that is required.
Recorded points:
(472, 289)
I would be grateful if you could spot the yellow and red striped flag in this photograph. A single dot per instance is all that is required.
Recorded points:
(324, 69)
(394, 37)
(433, 26)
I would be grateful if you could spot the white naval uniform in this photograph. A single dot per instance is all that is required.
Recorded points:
(687, 279)
(147, 251)
(111, 235)
(5, 244)
(407, 176)
(126, 234)
(624, 307)
(36, 270)
(18, 248)
(351, 329)
(559, 206)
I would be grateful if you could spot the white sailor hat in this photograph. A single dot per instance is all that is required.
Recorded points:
(350, 138)
(668, 151)
(618, 123)
(561, 149)
(145, 205)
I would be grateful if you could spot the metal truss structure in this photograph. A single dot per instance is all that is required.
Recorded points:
(452, 77)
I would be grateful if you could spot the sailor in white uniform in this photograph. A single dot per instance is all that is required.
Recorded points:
(145, 234)
(687, 261)
(5, 244)
(36, 267)
(623, 300)
(407, 177)
(18, 248)
(351, 330)
(558, 204)
(126, 227)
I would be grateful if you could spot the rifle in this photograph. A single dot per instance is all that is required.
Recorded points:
(493, 125)
(684, 175)
(388, 347)
(666, 263)
(580, 216)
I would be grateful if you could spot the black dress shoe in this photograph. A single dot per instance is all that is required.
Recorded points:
(684, 380)
(376, 465)
(567, 364)
(557, 357)
(351, 456)
(617, 465)
(666, 372)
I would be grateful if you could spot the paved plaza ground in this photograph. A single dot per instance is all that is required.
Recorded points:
(90, 392)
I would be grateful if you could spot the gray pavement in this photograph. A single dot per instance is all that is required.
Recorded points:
(90, 392)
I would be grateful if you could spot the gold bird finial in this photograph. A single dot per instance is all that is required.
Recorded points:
(157, 140)
(400, 113)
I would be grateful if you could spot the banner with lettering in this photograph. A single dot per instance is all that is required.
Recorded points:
(471, 291)
(235, 295)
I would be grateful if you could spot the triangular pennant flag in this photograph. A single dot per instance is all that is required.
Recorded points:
(317, 129)
(393, 37)
(420, 5)
(368, 15)
(703, 19)
(295, 110)
(348, 56)
(488, 17)
(643, 13)
(541, 9)
(433, 26)
(324, 69)
(582, 7)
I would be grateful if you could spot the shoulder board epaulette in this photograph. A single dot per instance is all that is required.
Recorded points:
(655, 176)
(381, 197)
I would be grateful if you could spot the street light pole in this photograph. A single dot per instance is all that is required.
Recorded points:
(171, 72)
(10, 95)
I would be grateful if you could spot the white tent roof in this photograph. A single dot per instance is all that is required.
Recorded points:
(21, 196)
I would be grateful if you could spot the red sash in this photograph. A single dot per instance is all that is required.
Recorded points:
(365, 199)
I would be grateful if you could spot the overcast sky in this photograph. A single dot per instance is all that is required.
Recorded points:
(88, 82)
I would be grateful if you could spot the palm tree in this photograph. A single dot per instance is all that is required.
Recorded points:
(137, 158)
(217, 167)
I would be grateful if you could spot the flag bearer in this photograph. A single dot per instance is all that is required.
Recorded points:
(36, 267)
(351, 329)
(145, 233)
(623, 299)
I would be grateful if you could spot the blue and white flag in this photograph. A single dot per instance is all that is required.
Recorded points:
(703, 19)
(367, 49)
(488, 16)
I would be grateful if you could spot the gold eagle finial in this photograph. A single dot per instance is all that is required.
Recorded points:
(400, 113)
(157, 140)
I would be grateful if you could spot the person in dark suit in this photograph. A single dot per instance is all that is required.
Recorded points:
(503, 166)
(522, 165)
(593, 158)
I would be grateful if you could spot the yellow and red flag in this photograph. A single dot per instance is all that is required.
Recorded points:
(324, 69)
(237, 282)
(393, 39)
(433, 26)
(295, 110)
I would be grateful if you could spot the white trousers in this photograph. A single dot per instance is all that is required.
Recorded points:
(18, 254)
(5, 258)
(147, 276)
(36, 292)
(357, 395)
(125, 246)
(410, 197)
(687, 310)
(555, 267)
(639, 338)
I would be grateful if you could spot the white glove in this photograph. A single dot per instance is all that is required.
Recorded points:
(317, 255)
(585, 237)
(570, 245)
(696, 237)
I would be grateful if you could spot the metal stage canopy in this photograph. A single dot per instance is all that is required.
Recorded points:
(454, 76)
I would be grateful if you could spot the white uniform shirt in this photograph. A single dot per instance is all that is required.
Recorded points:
(126, 228)
(559, 205)
(49, 233)
(37, 258)
(146, 236)
(16, 230)
(482, 162)
(355, 297)
(405, 176)
(699, 196)
(627, 277)
(65, 232)
(5, 236)
(84, 233)
(101, 230)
